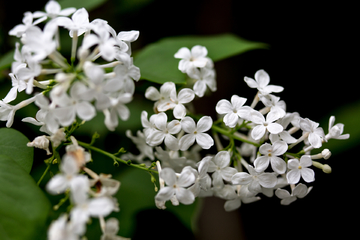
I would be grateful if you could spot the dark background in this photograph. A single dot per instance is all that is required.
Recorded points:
(313, 53)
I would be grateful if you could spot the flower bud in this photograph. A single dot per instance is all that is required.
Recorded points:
(40, 142)
(326, 168)
(326, 153)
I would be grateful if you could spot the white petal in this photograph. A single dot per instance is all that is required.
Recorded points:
(223, 107)
(241, 178)
(275, 128)
(179, 111)
(183, 53)
(262, 78)
(188, 124)
(186, 141)
(231, 119)
(278, 165)
(293, 176)
(258, 132)
(198, 51)
(57, 184)
(165, 194)
(227, 173)
(222, 159)
(251, 82)
(305, 161)
(199, 88)
(204, 140)
(186, 95)
(152, 93)
(301, 190)
(169, 176)
(231, 205)
(171, 142)
(85, 111)
(267, 180)
(186, 178)
(261, 163)
(237, 101)
(282, 194)
(204, 124)
(315, 140)
(185, 196)
(308, 174)
(101, 206)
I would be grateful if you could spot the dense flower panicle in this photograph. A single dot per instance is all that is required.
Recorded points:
(257, 160)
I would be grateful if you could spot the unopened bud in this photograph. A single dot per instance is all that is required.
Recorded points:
(326, 153)
(40, 142)
(326, 168)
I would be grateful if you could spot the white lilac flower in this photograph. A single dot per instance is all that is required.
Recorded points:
(263, 125)
(285, 135)
(233, 110)
(196, 58)
(20, 29)
(300, 168)
(316, 133)
(261, 82)
(140, 142)
(7, 111)
(164, 132)
(160, 96)
(300, 191)
(79, 22)
(103, 40)
(335, 131)
(86, 207)
(195, 132)
(242, 195)
(219, 166)
(41, 42)
(27, 74)
(124, 39)
(202, 178)
(67, 178)
(73, 105)
(270, 155)
(276, 106)
(203, 77)
(254, 179)
(125, 75)
(111, 229)
(53, 10)
(62, 229)
(18, 85)
(148, 125)
(117, 109)
(176, 186)
(177, 102)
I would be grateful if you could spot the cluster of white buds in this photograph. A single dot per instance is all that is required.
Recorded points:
(258, 159)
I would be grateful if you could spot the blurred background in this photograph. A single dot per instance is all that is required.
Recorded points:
(313, 54)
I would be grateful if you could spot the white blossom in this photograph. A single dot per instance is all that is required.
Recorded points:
(53, 10)
(176, 186)
(300, 168)
(261, 82)
(270, 155)
(300, 191)
(335, 131)
(254, 179)
(316, 133)
(177, 102)
(263, 125)
(78, 24)
(220, 168)
(164, 132)
(233, 110)
(203, 77)
(196, 58)
(195, 132)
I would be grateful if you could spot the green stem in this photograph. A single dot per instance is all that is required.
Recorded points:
(230, 135)
(117, 159)
(50, 160)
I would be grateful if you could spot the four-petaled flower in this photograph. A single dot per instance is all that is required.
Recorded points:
(196, 132)
(233, 110)
(300, 168)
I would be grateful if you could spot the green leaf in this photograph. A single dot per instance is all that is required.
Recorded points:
(157, 62)
(23, 206)
(6, 60)
(87, 4)
(137, 193)
(13, 144)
